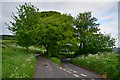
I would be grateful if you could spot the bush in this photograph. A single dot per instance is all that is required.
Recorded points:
(102, 63)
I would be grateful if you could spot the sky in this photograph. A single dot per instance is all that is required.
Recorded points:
(106, 12)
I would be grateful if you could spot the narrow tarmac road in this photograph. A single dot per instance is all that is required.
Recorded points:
(45, 68)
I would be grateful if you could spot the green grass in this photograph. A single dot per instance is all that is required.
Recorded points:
(103, 63)
(0, 62)
(6, 42)
(11, 43)
(31, 48)
(56, 60)
(17, 63)
(3, 41)
(67, 55)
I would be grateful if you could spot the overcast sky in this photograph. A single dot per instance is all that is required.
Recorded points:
(106, 12)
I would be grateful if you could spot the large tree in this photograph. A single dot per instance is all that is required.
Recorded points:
(99, 43)
(23, 23)
(55, 30)
(87, 32)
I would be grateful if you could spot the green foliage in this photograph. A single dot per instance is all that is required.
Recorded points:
(88, 37)
(85, 23)
(23, 24)
(54, 31)
(49, 28)
(102, 63)
(17, 63)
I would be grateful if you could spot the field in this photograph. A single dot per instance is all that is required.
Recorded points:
(103, 63)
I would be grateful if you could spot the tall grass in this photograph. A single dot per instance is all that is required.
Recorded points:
(17, 63)
(103, 63)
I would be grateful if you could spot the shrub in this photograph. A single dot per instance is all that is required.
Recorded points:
(102, 63)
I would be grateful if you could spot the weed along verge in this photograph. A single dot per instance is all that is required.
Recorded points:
(103, 63)
(17, 63)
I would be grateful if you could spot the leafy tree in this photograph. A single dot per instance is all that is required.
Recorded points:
(99, 43)
(55, 30)
(90, 41)
(23, 23)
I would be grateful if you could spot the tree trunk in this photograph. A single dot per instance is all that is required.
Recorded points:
(47, 50)
(27, 48)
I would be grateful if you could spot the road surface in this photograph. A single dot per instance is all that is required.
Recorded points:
(47, 69)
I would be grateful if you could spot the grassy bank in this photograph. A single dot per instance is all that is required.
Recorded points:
(103, 63)
(56, 60)
(17, 63)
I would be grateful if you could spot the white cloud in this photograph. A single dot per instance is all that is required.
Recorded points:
(109, 27)
(59, 0)
(0, 18)
(98, 9)
(115, 35)
(109, 17)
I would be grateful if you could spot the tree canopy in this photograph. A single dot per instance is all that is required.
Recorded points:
(89, 37)
(22, 26)
(55, 31)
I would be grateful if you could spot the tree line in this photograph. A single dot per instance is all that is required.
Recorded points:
(56, 31)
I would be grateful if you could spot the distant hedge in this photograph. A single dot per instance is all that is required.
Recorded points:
(6, 37)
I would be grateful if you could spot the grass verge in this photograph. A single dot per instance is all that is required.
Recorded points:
(55, 60)
(17, 63)
(103, 63)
